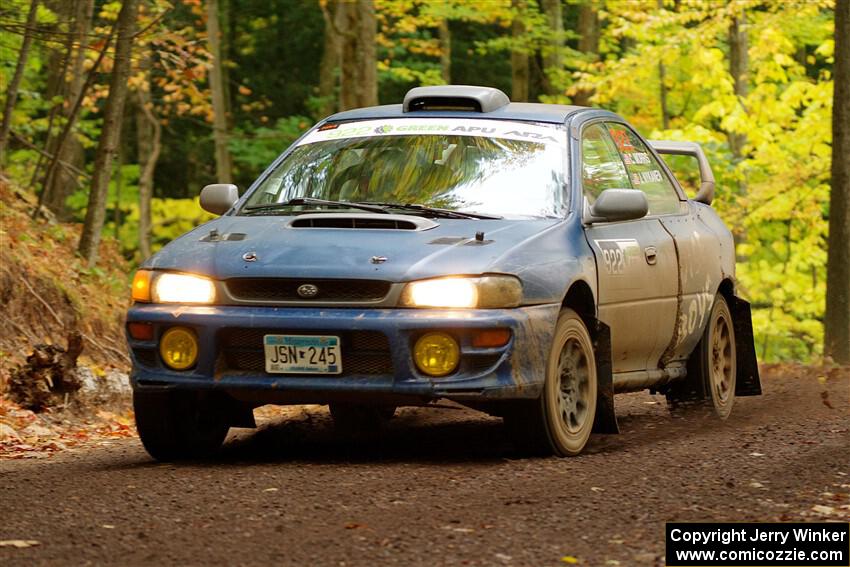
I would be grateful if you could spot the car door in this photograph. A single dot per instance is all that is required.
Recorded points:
(636, 260)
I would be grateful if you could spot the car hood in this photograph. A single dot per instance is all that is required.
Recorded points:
(219, 248)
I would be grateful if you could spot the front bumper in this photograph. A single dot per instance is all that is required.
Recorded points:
(513, 371)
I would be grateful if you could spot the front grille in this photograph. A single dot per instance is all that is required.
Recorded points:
(280, 289)
(481, 362)
(363, 352)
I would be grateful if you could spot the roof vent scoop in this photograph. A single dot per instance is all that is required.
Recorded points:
(455, 97)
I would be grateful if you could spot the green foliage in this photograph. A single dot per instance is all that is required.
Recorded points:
(773, 192)
(775, 195)
(254, 148)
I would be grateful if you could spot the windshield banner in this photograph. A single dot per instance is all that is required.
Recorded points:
(504, 129)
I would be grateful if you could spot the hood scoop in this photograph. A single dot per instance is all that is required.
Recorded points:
(374, 221)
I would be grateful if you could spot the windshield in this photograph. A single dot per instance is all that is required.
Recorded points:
(440, 165)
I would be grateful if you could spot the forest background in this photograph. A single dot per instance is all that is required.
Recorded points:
(116, 114)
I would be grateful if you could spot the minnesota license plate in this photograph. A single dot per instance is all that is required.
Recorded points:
(302, 354)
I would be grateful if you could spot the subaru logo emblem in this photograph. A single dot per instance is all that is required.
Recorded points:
(308, 291)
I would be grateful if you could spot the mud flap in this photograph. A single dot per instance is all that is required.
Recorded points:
(748, 382)
(606, 419)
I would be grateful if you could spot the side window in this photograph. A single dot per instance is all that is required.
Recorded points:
(601, 166)
(644, 171)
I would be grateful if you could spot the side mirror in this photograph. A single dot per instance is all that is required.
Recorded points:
(618, 205)
(219, 197)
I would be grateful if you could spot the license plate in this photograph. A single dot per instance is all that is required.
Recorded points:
(302, 354)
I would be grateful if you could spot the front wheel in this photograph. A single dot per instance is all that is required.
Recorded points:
(560, 422)
(176, 424)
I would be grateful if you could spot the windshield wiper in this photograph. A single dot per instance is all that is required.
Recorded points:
(299, 201)
(443, 213)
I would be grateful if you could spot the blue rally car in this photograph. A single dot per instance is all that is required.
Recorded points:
(526, 260)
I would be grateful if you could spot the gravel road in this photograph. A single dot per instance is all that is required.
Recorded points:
(441, 487)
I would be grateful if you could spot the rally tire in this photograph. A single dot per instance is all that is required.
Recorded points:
(712, 368)
(176, 425)
(561, 420)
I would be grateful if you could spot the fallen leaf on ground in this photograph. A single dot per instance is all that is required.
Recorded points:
(20, 543)
(569, 559)
(8, 432)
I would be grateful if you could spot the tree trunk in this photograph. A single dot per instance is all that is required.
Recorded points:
(223, 165)
(119, 185)
(588, 43)
(662, 93)
(738, 68)
(58, 63)
(15, 83)
(149, 134)
(358, 69)
(519, 57)
(225, 23)
(330, 60)
(63, 182)
(66, 129)
(110, 133)
(445, 37)
(553, 59)
(837, 317)
(662, 85)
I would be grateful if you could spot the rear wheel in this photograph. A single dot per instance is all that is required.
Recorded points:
(712, 367)
(561, 420)
(176, 424)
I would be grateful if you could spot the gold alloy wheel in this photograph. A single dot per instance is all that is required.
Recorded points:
(570, 390)
(721, 358)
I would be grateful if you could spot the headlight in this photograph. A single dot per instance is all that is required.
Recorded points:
(182, 288)
(461, 292)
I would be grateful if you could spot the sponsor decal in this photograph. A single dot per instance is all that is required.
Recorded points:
(617, 255)
(641, 177)
(636, 158)
(503, 129)
(621, 138)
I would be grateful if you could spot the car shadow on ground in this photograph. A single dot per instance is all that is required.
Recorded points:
(415, 435)
(426, 435)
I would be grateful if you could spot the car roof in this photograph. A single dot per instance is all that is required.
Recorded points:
(525, 111)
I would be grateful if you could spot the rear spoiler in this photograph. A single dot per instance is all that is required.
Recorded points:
(706, 186)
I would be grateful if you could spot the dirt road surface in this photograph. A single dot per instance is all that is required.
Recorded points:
(441, 487)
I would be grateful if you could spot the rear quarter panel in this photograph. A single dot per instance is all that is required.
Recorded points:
(706, 257)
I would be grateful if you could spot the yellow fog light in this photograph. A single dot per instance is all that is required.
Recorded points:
(436, 354)
(179, 348)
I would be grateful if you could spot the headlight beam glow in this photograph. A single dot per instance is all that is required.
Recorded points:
(183, 288)
(448, 292)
